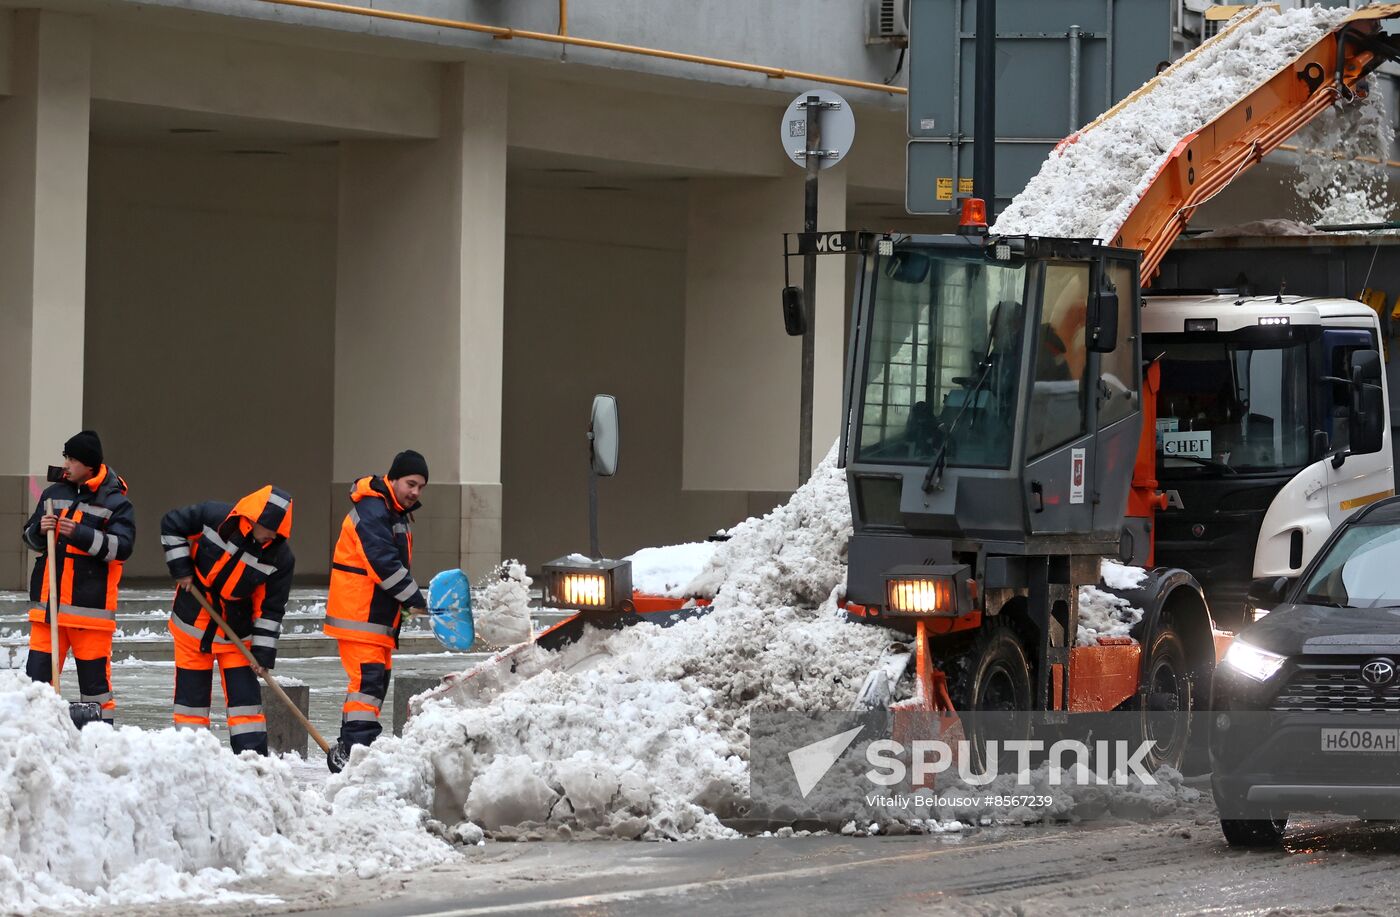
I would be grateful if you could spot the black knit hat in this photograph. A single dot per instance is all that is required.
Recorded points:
(406, 463)
(86, 448)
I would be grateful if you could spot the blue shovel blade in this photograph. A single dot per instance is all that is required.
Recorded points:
(450, 610)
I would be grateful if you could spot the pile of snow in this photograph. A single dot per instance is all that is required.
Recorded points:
(669, 571)
(1103, 614)
(1087, 188)
(501, 607)
(129, 816)
(644, 732)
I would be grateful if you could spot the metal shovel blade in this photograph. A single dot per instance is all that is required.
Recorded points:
(84, 712)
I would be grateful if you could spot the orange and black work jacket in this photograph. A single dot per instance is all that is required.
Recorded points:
(370, 579)
(246, 582)
(89, 560)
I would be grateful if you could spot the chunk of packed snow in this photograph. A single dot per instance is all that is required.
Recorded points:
(127, 816)
(1121, 576)
(501, 606)
(669, 570)
(1087, 187)
(1103, 614)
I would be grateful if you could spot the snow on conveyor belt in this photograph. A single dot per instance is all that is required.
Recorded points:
(1088, 186)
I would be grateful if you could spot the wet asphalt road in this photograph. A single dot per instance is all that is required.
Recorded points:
(1175, 866)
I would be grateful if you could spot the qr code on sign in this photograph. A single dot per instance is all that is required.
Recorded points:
(797, 127)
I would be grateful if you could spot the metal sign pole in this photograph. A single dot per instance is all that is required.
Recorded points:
(809, 288)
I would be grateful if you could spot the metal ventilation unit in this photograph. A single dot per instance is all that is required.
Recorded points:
(889, 23)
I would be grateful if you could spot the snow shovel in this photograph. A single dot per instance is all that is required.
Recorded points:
(82, 712)
(450, 610)
(267, 676)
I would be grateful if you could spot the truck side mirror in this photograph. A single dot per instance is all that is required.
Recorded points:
(794, 312)
(1102, 330)
(1266, 594)
(603, 436)
(1367, 421)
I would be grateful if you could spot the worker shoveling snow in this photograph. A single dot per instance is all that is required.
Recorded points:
(1089, 185)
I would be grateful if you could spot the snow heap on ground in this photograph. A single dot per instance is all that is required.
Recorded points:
(669, 570)
(109, 816)
(501, 607)
(644, 732)
(1087, 188)
(1342, 157)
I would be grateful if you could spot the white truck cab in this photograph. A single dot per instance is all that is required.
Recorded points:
(1256, 420)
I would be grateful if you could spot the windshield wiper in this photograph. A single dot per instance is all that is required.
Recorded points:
(1209, 463)
(1322, 602)
(933, 478)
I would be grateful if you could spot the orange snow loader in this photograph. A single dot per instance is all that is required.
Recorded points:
(1001, 436)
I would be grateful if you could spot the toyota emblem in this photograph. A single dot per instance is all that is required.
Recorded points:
(1378, 672)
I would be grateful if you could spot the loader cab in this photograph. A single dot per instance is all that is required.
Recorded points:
(992, 400)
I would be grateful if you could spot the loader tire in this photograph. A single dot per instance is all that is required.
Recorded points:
(993, 677)
(1164, 706)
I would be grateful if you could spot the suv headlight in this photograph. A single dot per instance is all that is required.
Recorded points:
(1252, 661)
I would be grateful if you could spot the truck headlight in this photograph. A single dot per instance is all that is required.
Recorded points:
(1250, 660)
(928, 590)
(587, 585)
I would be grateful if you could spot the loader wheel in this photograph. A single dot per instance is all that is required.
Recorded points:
(994, 678)
(1164, 708)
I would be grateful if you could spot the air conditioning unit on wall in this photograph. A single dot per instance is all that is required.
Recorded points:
(889, 23)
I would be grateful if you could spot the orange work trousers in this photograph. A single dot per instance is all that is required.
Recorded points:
(92, 656)
(368, 666)
(194, 689)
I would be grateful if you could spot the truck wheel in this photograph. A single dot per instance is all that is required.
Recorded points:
(1263, 832)
(994, 678)
(1164, 706)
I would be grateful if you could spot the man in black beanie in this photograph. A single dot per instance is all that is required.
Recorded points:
(95, 527)
(370, 586)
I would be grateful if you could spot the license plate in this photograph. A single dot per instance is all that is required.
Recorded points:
(1374, 741)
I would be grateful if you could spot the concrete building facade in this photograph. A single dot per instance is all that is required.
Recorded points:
(253, 242)
(256, 241)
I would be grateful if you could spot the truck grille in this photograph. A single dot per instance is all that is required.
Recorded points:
(1335, 688)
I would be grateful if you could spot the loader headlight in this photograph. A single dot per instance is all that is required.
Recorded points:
(928, 590)
(587, 585)
(1250, 660)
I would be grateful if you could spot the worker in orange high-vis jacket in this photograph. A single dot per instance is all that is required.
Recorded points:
(239, 559)
(95, 528)
(370, 585)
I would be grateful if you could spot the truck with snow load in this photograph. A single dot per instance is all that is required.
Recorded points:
(1013, 405)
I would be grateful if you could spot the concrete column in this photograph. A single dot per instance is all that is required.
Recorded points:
(43, 256)
(419, 331)
(742, 384)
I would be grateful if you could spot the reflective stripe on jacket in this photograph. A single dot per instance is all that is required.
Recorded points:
(370, 578)
(90, 559)
(247, 582)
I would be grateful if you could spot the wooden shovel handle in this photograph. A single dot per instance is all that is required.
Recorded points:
(52, 539)
(267, 676)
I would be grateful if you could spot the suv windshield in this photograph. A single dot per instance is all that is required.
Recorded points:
(1227, 407)
(944, 335)
(1359, 571)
